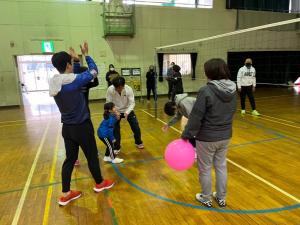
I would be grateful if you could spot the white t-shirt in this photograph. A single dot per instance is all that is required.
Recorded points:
(124, 102)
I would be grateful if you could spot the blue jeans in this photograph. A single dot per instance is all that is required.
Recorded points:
(134, 125)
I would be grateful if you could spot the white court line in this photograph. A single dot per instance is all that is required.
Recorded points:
(245, 170)
(29, 178)
(264, 181)
(274, 121)
(288, 121)
(274, 96)
(94, 114)
(13, 121)
(13, 125)
(29, 120)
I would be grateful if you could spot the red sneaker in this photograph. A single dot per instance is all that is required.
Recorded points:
(106, 184)
(64, 200)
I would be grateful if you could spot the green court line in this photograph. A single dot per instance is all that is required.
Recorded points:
(43, 185)
(111, 208)
(137, 162)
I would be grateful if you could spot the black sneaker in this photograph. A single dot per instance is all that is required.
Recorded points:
(207, 203)
(221, 202)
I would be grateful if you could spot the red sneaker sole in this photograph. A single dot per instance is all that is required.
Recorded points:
(67, 202)
(101, 189)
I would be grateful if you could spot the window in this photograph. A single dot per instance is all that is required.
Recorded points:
(182, 60)
(205, 4)
(294, 6)
(175, 3)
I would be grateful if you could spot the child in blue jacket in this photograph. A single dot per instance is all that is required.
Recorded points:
(106, 132)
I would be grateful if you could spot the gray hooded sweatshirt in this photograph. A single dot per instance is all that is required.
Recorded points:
(184, 105)
(212, 115)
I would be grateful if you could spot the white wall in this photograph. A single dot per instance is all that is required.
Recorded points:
(68, 23)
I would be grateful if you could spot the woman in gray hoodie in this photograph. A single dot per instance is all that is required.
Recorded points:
(210, 123)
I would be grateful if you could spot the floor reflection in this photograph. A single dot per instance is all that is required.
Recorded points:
(39, 104)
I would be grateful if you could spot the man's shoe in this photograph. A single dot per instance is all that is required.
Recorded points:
(64, 200)
(106, 184)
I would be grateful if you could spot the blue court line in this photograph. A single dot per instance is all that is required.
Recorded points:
(230, 146)
(259, 211)
(141, 161)
(131, 163)
(255, 142)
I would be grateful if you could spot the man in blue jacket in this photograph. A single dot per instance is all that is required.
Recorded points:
(77, 127)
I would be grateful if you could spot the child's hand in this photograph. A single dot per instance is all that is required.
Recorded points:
(117, 115)
(73, 54)
(113, 141)
(165, 128)
(84, 48)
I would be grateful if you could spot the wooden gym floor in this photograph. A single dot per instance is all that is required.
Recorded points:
(263, 166)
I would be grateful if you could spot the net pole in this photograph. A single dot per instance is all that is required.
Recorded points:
(141, 91)
(155, 86)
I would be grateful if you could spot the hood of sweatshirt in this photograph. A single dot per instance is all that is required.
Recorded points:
(179, 97)
(225, 90)
(58, 80)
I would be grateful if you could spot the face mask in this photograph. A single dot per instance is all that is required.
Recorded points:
(248, 65)
(112, 69)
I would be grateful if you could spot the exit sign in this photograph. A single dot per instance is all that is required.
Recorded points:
(47, 46)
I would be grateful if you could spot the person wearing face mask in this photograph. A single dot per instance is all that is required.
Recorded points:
(150, 83)
(176, 82)
(111, 74)
(246, 82)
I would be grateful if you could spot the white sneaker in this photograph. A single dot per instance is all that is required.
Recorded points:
(207, 203)
(117, 160)
(140, 146)
(255, 113)
(107, 159)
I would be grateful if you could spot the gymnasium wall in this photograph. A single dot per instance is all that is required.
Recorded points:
(24, 23)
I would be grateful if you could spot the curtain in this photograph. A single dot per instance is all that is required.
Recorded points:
(160, 58)
(194, 61)
(260, 5)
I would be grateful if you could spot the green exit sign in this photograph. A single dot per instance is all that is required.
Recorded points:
(47, 46)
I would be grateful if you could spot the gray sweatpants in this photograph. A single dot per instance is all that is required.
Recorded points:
(208, 154)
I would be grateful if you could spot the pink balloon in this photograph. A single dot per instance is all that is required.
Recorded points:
(180, 155)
